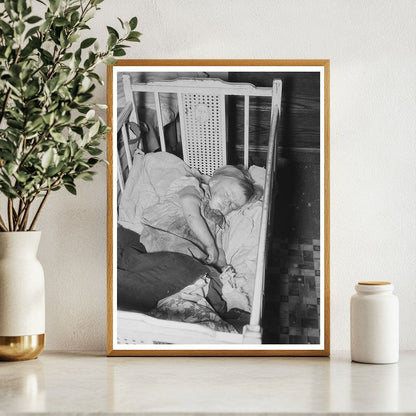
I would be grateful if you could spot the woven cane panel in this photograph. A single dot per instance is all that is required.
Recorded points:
(203, 118)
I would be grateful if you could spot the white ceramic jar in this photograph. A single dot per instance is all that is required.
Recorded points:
(374, 323)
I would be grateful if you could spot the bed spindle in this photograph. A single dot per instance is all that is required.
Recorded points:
(255, 318)
(160, 122)
(125, 136)
(120, 175)
(246, 129)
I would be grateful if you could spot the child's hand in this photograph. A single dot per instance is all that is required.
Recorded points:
(212, 254)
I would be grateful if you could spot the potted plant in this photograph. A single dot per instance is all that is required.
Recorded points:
(50, 136)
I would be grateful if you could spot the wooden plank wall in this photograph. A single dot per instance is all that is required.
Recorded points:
(299, 126)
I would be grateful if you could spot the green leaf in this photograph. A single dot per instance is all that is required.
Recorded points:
(31, 90)
(87, 42)
(54, 4)
(16, 124)
(48, 118)
(32, 31)
(74, 18)
(20, 28)
(67, 153)
(73, 38)
(110, 60)
(58, 137)
(119, 52)
(70, 188)
(6, 29)
(94, 151)
(112, 41)
(82, 98)
(88, 16)
(46, 56)
(4, 145)
(64, 93)
(63, 41)
(133, 23)
(10, 8)
(8, 190)
(67, 56)
(21, 177)
(78, 154)
(92, 161)
(47, 158)
(21, 5)
(90, 115)
(52, 171)
(121, 22)
(86, 176)
(33, 19)
(34, 125)
(94, 129)
(112, 31)
(134, 37)
(11, 168)
(96, 77)
(61, 21)
(53, 83)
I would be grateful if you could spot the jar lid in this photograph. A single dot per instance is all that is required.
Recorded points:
(373, 287)
(374, 283)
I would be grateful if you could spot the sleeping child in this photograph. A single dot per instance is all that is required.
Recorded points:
(194, 207)
(187, 219)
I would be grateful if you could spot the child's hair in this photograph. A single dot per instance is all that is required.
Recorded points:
(252, 191)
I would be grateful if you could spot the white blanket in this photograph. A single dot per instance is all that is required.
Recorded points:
(149, 180)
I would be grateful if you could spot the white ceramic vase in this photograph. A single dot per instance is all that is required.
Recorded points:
(22, 296)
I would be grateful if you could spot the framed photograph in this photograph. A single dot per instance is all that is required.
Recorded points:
(218, 208)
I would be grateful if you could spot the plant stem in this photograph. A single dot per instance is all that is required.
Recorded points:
(10, 213)
(2, 224)
(39, 209)
(17, 217)
(21, 212)
(26, 216)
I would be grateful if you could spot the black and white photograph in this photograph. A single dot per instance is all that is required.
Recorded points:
(218, 212)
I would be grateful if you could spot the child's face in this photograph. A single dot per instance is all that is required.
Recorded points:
(226, 195)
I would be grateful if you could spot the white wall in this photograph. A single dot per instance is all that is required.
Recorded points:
(371, 45)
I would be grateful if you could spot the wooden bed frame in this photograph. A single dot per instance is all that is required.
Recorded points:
(202, 101)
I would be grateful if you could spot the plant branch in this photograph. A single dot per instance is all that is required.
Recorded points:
(10, 213)
(2, 225)
(18, 215)
(21, 214)
(26, 216)
(39, 210)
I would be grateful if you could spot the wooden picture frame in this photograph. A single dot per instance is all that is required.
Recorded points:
(276, 114)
